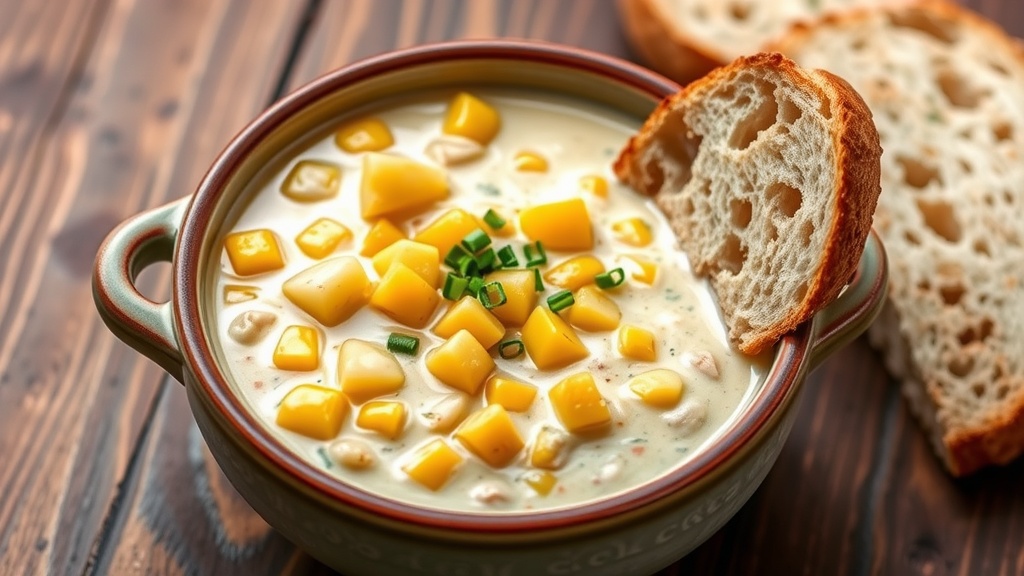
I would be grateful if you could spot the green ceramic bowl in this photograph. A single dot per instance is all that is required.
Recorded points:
(359, 533)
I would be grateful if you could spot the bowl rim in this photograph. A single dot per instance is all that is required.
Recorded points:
(763, 409)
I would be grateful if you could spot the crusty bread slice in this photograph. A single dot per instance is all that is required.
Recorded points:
(769, 175)
(686, 39)
(947, 91)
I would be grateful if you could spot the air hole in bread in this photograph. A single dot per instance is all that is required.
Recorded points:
(1002, 391)
(1002, 131)
(784, 198)
(977, 333)
(739, 212)
(962, 366)
(763, 116)
(654, 176)
(941, 30)
(826, 107)
(979, 390)
(806, 232)
(788, 112)
(800, 293)
(999, 68)
(773, 232)
(732, 255)
(957, 90)
(940, 218)
(952, 294)
(911, 238)
(739, 11)
(981, 248)
(688, 208)
(917, 174)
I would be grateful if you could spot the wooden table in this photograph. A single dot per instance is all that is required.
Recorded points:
(108, 108)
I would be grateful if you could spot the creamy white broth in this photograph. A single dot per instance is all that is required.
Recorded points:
(642, 443)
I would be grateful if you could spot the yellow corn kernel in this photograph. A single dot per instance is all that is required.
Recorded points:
(512, 395)
(298, 349)
(637, 343)
(461, 362)
(331, 291)
(470, 315)
(595, 185)
(432, 464)
(235, 293)
(593, 310)
(550, 342)
(520, 296)
(574, 272)
(381, 235)
(472, 118)
(541, 481)
(321, 237)
(253, 252)
(447, 230)
(313, 411)
(423, 259)
(367, 370)
(386, 418)
(393, 184)
(562, 225)
(405, 297)
(527, 161)
(549, 449)
(578, 403)
(366, 135)
(661, 388)
(632, 231)
(645, 271)
(491, 435)
(312, 180)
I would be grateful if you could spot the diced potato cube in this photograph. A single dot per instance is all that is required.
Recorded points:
(423, 259)
(461, 362)
(491, 435)
(313, 411)
(444, 413)
(321, 237)
(381, 235)
(367, 370)
(512, 395)
(595, 185)
(447, 230)
(645, 271)
(541, 481)
(550, 342)
(253, 252)
(312, 180)
(236, 293)
(366, 135)
(562, 225)
(470, 315)
(520, 295)
(393, 184)
(637, 343)
(527, 161)
(574, 272)
(432, 464)
(550, 448)
(405, 297)
(632, 231)
(472, 118)
(331, 291)
(578, 403)
(593, 310)
(661, 388)
(298, 349)
(386, 418)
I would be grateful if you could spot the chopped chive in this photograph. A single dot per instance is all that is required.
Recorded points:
(560, 300)
(494, 220)
(454, 286)
(455, 255)
(535, 255)
(403, 344)
(492, 295)
(485, 261)
(510, 349)
(476, 241)
(610, 279)
(507, 255)
(467, 265)
(476, 283)
(538, 282)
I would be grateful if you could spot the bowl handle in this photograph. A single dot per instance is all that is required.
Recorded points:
(857, 306)
(144, 325)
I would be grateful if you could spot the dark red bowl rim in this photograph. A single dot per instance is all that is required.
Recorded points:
(786, 372)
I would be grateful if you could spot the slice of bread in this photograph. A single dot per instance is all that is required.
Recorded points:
(769, 175)
(686, 39)
(947, 91)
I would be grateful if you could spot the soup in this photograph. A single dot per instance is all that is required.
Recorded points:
(452, 303)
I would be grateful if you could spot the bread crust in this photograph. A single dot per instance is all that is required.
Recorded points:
(662, 46)
(856, 187)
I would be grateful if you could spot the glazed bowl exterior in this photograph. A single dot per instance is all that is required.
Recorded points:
(359, 533)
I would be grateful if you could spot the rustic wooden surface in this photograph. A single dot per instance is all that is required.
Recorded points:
(110, 107)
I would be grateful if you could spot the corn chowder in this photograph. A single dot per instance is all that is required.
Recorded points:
(452, 303)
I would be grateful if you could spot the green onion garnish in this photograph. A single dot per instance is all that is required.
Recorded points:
(454, 286)
(535, 255)
(560, 300)
(492, 295)
(403, 344)
(493, 220)
(467, 266)
(454, 255)
(485, 261)
(476, 241)
(476, 283)
(510, 349)
(538, 282)
(508, 257)
(610, 279)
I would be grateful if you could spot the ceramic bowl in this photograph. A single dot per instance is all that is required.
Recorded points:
(359, 533)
